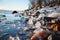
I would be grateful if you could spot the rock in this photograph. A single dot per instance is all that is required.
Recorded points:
(2, 19)
(1, 30)
(41, 16)
(22, 33)
(42, 22)
(11, 38)
(13, 26)
(4, 15)
(26, 20)
(38, 24)
(37, 13)
(18, 28)
(3, 35)
(26, 28)
(52, 21)
(17, 37)
(38, 30)
(29, 34)
(16, 15)
(54, 14)
(31, 27)
(27, 39)
(3, 25)
(50, 37)
(30, 22)
(9, 22)
(8, 28)
(59, 18)
(14, 12)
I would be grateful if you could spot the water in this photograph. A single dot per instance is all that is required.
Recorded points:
(8, 28)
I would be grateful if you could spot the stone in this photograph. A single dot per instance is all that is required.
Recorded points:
(50, 37)
(38, 30)
(38, 24)
(11, 38)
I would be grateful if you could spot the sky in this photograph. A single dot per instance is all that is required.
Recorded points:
(14, 4)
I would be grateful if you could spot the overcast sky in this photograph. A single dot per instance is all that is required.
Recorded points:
(14, 4)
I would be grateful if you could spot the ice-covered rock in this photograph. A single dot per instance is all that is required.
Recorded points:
(26, 28)
(42, 22)
(54, 14)
(41, 16)
(38, 24)
(42, 11)
(30, 22)
(17, 37)
(38, 30)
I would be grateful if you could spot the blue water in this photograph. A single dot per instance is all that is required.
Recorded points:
(11, 31)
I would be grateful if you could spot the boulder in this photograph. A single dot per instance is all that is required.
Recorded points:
(14, 12)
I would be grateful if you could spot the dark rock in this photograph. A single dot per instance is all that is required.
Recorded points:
(48, 18)
(37, 13)
(4, 15)
(14, 12)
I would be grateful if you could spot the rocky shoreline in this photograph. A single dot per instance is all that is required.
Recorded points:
(27, 23)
